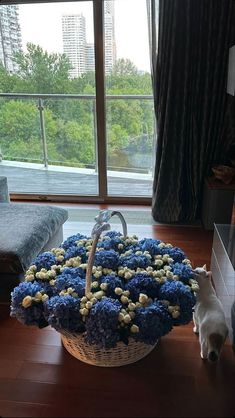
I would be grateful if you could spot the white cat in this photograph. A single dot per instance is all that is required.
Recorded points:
(209, 318)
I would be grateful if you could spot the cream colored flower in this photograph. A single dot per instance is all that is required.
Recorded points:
(118, 290)
(27, 302)
(134, 329)
(124, 299)
(143, 298)
(127, 319)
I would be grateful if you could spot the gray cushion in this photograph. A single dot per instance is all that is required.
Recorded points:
(24, 231)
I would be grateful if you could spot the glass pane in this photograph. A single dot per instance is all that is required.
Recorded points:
(20, 138)
(47, 50)
(130, 114)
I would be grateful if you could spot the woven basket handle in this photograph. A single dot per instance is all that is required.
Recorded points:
(100, 226)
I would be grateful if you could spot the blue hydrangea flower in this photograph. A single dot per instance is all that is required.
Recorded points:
(45, 260)
(76, 251)
(66, 280)
(102, 323)
(113, 234)
(179, 294)
(47, 288)
(108, 259)
(71, 241)
(112, 243)
(184, 272)
(176, 253)
(62, 313)
(142, 283)
(74, 272)
(113, 282)
(153, 321)
(34, 314)
(150, 245)
(133, 261)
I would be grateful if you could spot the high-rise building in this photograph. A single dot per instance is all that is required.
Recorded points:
(90, 57)
(74, 42)
(10, 36)
(109, 32)
(82, 54)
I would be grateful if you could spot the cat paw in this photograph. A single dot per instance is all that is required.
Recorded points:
(203, 356)
(195, 329)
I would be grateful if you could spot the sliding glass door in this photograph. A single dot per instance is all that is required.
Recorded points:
(76, 106)
(129, 100)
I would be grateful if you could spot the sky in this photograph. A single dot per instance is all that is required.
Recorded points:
(41, 25)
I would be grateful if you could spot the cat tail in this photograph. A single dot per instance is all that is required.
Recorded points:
(215, 344)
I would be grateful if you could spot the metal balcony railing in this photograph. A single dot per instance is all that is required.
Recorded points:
(40, 105)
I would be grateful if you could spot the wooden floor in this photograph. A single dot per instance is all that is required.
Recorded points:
(38, 378)
(50, 182)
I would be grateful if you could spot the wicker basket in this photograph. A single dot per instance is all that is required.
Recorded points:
(118, 356)
(75, 343)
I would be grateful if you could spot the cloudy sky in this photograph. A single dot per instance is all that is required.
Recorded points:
(41, 24)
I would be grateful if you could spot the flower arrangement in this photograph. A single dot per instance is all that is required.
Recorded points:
(110, 288)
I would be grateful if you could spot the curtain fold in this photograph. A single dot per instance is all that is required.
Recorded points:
(190, 89)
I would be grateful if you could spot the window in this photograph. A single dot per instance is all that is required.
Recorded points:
(69, 136)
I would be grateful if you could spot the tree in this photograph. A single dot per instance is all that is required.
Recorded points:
(41, 72)
(124, 67)
(76, 143)
(7, 80)
(20, 130)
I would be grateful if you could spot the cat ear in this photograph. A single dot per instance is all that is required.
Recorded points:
(204, 267)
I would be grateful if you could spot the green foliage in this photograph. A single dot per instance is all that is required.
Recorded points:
(75, 144)
(70, 123)
(7, 80)
(41, 72)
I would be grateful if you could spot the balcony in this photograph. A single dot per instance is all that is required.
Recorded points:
(48, 144)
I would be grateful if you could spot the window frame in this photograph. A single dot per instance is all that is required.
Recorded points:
(101, 149)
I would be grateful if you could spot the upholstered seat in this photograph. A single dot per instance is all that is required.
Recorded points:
(25, 231)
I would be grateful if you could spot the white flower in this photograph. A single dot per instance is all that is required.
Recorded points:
(118, 290)
(38, 297)
(27, 302)
(84, 311)
(143, 298)
(121, 317)
(158, 263)
(126, 293)
(128, 275)
(60, 258)
(94, 284)
(127, 319)
(29, 277)
(98, 294)
(104, 286)
(45, 298)
(124, 299)
(134, 329)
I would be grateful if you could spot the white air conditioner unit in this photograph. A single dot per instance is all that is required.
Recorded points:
(231, 71)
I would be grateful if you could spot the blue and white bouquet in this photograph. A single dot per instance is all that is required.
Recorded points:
(109, 288)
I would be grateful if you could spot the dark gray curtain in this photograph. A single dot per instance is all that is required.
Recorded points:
(190, 90)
